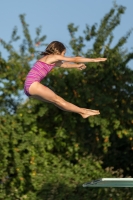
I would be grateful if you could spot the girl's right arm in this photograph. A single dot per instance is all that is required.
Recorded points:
(77, 59)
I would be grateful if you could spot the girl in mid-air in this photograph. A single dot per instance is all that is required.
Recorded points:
(54, 55)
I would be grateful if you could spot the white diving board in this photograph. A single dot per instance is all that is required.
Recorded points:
(110, 182)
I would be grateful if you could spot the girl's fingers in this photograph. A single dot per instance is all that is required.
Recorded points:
(103, 59)
(81, 67)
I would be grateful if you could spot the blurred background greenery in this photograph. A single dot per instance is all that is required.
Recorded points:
(47, 154)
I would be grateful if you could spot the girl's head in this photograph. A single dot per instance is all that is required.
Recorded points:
(54, 47)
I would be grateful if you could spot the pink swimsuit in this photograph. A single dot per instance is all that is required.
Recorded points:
(37, 73)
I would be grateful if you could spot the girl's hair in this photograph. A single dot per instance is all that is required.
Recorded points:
(54, 47)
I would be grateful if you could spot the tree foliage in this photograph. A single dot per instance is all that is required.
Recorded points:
(47, 153)
(16, 66)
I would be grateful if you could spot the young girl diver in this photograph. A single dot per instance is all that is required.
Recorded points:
(54, 55)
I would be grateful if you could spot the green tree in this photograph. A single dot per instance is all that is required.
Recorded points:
(48, 153)
(110, 87)
(15, 67)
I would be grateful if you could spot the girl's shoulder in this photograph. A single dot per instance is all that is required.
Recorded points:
(48, 59)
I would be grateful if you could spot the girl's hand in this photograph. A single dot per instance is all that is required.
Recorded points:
(81, 66)
(100, 59)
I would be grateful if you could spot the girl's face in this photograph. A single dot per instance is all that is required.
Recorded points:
(63, 52)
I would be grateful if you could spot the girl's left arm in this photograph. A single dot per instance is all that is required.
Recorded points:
(69, 65)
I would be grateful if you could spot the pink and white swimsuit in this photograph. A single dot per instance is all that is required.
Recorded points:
(37, 73)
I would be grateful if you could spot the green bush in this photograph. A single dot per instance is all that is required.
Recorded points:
(48, 154)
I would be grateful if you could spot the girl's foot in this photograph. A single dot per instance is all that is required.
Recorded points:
(88, 113)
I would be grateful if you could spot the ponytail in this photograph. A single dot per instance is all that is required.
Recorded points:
(54, 47)
(47, 52)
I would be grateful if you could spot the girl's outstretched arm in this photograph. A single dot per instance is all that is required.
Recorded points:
(80, 66)
(77, 59)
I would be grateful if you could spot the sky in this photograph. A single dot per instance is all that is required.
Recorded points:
(55, 15)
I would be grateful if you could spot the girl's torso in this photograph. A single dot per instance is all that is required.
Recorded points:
(40, 70)
(37, 73)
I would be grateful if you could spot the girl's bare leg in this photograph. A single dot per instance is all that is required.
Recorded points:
(39, 91)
